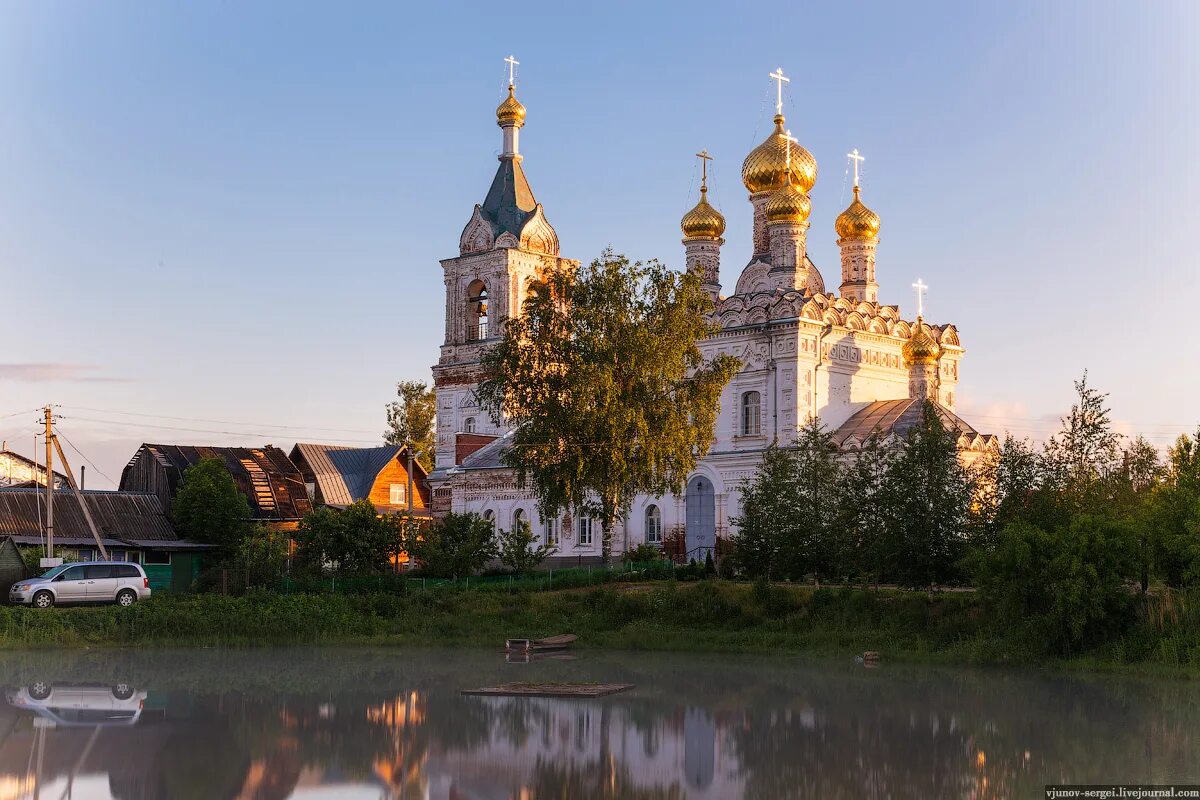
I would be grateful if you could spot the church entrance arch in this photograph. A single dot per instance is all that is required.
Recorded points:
(700, 518)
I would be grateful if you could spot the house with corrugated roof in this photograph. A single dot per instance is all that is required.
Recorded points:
(132, 526)
(17, 470)
(338, 476)
(268, 479)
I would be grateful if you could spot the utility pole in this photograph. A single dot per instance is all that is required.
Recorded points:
(50, 560)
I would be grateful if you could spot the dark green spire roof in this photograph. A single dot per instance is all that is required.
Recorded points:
(509, 202)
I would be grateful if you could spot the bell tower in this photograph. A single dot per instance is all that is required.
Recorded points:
(507, 243)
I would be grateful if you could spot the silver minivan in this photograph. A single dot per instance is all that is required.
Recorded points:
(117, 582)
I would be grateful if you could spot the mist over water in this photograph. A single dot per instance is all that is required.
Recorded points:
(392, 723)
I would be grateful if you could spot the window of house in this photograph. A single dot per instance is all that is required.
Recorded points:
(398, 494)
(653, 525)
(469, 425)
(751, 414)
(553, 530)
(151, 557)
(585, 531)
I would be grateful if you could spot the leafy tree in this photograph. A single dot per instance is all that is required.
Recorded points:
(764, 524)
(410, 421)
(455, 547)
(208, 507)
(516, 550)
(603, 380)
(926, 499)
(1083, 457)
(353, 541)
(860, 520)
(263, 555)
(1173, 516)
(1064, 589)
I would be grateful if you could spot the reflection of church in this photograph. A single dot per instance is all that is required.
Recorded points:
(841, 356)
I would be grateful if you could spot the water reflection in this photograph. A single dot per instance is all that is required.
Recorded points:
(261, 725)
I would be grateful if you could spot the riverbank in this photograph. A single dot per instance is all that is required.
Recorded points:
(709, 616)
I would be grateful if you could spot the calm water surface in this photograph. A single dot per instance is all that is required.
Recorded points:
(391, 723)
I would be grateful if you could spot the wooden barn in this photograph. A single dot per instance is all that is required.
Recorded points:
(132, 526)
(271, 482)
(17, 470)
(338, 476)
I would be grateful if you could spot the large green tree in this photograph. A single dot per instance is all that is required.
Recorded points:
(602, 378)
(351, 541)
(208, 507)
(410, 421)
(860, 523)
(456, 546)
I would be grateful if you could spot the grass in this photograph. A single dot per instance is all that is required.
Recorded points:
(714, 616)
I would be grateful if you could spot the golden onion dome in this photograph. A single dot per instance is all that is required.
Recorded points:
(920, 347)
(765, 169)
(857, 221)
(788, 204)
(703, 221)
(510, 112)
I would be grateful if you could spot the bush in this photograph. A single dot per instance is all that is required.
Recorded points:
(642, 553)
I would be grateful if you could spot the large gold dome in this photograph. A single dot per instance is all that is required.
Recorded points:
(765, 169)
(857, 221)
(788, 204)
(920, 347)
(510, 112)
(703, 221)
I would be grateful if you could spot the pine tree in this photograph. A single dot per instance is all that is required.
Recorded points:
(860, 524)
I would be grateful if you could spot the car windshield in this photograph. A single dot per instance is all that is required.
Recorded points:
(55, 571)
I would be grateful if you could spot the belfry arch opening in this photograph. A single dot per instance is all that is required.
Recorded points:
(477, 311)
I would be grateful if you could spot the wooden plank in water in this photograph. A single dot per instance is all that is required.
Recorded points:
(550, 689)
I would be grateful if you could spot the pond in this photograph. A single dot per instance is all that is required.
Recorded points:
(342, 723)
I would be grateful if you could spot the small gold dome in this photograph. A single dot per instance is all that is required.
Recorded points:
(920, 347)
(703, 221)
(857, 221)
(788, 204)
(510, 112)
(765, 169)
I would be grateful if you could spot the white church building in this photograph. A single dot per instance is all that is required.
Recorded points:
(806, 351)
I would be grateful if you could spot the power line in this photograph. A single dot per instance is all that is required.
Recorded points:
(205, 430)
(79, 452)
(220, 421)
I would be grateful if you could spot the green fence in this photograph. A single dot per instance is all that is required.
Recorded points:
(542, 580)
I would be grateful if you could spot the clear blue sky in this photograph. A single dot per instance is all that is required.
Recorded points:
(235, 211)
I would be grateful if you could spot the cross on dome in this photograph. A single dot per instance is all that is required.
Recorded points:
(777, 76)
(704, 159)
(787, 150)
(921, 289)
(512, 63)
(857, 159)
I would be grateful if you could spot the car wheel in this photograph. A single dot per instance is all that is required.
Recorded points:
(43, 599)
(126, 597)
(122, 691)
(39, 690)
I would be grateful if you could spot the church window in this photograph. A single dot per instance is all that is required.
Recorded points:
(553, 530)
(489, 517)
(519, 518)
(469, 425)
(751, 414)
(585, 531)
(477, 311)
(653, 525)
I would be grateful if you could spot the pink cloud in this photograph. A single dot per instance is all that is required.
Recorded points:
(54, 372)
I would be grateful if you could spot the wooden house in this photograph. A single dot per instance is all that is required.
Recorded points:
(12, 565)
(338, 476)
(270, 482)
(132, 526)
(17, 470)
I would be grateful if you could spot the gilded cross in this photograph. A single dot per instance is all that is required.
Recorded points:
(512, 63)
(704, 159)
(777, 76)
(857, 159)
(921, 289)
(787, 153)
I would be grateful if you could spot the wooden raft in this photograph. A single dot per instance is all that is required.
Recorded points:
(550, 689)
(561, 642)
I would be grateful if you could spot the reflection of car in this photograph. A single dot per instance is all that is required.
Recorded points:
(90, 582)
(80, 704)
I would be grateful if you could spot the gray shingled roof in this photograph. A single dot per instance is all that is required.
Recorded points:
(345, 474)
(895, 417)
(509, 202)
(119, 516)
(488, 456)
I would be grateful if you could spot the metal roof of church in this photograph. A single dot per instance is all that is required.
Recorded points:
(509, 202)
(895, 417)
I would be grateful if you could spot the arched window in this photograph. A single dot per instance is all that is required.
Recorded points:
(477, 311)
(489, 517)
(584, 530)
(519, 518)
(751, 414)
(469, 425)
(653, 525)
(553, 530)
